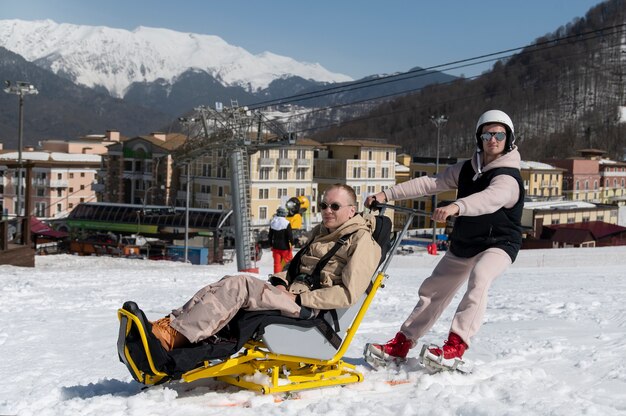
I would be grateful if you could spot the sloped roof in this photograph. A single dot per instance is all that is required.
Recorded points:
(598, 229)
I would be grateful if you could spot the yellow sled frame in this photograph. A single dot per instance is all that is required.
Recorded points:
(257, 368)
(282, 373)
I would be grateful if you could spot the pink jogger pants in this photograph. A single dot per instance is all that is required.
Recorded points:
(438, 290)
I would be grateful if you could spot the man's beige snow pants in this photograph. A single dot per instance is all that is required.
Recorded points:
(213, 306)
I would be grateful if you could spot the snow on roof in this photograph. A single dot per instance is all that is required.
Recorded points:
(51, 156)
(558, 204)
(529, 164)
(401, 168)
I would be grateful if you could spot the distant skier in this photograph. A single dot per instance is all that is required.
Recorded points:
(281, 239)
(486, 238)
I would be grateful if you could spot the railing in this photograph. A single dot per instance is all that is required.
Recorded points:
(285, 163)
(59, 183)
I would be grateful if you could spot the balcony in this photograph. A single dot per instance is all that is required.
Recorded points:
(202, 197)
(59, 183)
(285, 163)
(266, 162)
(303, 163)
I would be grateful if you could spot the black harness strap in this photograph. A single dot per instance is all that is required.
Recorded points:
(317, 284)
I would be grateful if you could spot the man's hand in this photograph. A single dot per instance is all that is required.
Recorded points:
(442, 213)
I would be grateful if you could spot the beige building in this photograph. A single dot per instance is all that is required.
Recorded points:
(58, 181)
(139, 170)
(537, 214)
(368, 166)
(542, 181)
(275, 173)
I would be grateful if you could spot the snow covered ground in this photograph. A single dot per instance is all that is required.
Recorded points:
(554, 342)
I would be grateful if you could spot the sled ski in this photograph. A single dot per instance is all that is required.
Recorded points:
(377, 358)
(436, 365)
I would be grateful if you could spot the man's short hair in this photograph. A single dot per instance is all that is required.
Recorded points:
(347, 188)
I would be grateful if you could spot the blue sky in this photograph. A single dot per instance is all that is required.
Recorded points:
(353, 37)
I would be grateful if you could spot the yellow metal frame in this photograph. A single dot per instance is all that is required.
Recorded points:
(147, 379)
(279, 372)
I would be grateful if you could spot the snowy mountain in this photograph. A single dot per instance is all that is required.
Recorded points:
(114, 59)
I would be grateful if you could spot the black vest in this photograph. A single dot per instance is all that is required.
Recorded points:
(501, 229)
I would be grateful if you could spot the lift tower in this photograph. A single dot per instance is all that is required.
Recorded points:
(239, 132)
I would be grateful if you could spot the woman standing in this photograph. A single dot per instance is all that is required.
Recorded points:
(484, 242)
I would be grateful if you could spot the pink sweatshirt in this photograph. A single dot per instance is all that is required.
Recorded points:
(503, 190)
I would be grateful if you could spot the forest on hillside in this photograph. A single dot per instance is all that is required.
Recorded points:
(563, 93)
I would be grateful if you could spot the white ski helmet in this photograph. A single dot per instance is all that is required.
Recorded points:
(500, 117)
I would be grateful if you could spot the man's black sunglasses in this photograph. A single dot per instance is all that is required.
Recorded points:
(334, 206)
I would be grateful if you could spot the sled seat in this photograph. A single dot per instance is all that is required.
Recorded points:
(261, 351)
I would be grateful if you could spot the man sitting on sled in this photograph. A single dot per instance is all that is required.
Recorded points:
(343, 245)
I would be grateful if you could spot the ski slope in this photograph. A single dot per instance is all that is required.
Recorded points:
(554, 342)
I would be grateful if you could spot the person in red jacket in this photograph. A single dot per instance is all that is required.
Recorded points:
(281, 239)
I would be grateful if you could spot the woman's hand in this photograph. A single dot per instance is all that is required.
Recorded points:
(442, 213)
(379, 197)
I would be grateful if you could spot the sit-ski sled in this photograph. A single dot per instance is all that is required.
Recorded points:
(262, 351)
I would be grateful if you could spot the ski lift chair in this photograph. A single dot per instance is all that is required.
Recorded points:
(270, 353)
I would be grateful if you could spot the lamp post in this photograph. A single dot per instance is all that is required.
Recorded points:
(20, 88)
(439, 123)
(188, 121)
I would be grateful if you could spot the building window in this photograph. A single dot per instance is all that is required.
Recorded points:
(59, 193)
(59, 208)
(371, 190)
(220, 191)
(264, 154)
(385, 172)
(70, 205)
(357, 190)
(282, 174)
(595, 185)
(263, 193)
(300, 191)
(301, 154)
(387, 155)
(282, 192)
(356, 172)
(370, 155)
(263, 213)
(300, 173)
(71, 190)
(59, 176)
(40, 209)
(283, 153)
(371, 172)
(82, 187)
(264, 174)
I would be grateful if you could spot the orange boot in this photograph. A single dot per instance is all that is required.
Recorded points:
(168, 336)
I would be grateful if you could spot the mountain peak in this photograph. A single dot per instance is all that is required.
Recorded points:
(99, 56)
